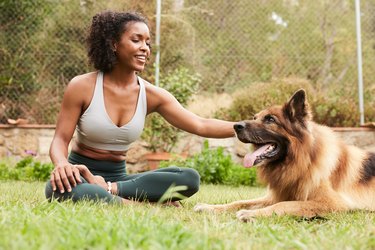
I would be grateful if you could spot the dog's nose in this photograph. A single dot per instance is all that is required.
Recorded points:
(239, 126)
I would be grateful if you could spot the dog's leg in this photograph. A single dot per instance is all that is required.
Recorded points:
(298, 208)
(236, 205)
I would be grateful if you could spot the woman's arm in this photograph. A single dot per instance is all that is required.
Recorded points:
(65, 175)
(166, 105)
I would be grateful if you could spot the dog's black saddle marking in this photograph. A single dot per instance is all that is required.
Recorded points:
(368, 168)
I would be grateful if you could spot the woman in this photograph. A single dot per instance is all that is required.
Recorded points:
(107, 108)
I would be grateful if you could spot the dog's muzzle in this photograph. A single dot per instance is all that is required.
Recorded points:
(239, 127)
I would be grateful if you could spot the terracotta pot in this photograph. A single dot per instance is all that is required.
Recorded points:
(154, 158)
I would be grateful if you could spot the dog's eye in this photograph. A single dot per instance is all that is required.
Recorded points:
(269, 119)
(254, 117)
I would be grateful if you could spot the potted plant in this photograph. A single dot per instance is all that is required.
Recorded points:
(159, 134)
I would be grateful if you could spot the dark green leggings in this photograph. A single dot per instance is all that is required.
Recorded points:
(146, 186)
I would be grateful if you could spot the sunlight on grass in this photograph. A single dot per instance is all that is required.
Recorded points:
(28, 221)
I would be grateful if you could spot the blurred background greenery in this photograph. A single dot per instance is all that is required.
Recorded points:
(259, 52)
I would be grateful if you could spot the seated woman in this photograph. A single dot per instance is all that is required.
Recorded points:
(107, 108)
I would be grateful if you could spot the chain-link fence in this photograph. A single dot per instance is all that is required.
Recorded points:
(230, 43)
(242, 42)
(43, 47)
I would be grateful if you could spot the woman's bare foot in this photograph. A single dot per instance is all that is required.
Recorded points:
(167, 204)
(173, 204)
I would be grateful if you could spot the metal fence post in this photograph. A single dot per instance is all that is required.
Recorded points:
(359, 61)
(157, 41)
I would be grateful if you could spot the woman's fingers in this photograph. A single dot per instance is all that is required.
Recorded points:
(58, 181)
(52, 180)
(77, 175)
(70, 178)
(85, 172)
(64, 177)
(65, 181)
(99, 180)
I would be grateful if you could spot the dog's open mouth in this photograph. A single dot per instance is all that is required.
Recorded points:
(262, 152)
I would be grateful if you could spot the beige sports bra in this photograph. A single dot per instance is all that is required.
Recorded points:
(96, 129)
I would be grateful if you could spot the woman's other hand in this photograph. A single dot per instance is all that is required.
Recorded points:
(90, 178)
(101, 182)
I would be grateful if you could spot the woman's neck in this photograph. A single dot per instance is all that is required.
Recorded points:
(121, 77)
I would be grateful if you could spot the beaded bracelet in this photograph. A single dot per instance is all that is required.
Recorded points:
(109, 189)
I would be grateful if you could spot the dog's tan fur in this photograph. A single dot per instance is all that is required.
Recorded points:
(318, 173)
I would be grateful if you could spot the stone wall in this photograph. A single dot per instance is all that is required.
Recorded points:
(20, 141)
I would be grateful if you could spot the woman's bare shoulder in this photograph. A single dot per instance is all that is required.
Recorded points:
(81, 88)
(153, 90)
(83, 81)
(157, 97)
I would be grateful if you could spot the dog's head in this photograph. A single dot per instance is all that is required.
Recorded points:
(274, 129)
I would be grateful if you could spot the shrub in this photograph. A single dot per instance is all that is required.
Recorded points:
(26, 170)
(250, 100)
(216, 167)
(335, 107)
(338, 107)
(161, 135)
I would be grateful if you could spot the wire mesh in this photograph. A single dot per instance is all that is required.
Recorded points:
(230, 43)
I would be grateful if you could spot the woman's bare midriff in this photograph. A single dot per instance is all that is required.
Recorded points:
(98, 154)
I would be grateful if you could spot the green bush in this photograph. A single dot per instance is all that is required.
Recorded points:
(26, 170)
(5, 172)
(216, 167)
(335, 107)
(239, 175)
(250, 100)
(339, 106)
(161, 135)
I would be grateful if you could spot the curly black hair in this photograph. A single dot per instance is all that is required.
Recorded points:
(107, 27)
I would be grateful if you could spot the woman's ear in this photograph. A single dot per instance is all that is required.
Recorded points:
(114, 46)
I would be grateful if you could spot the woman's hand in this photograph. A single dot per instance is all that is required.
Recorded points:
(101, 182)
(64, 176)
(90, 178)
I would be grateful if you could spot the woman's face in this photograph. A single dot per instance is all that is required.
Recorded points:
(133, 49)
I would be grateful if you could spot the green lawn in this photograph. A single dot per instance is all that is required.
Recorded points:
(29, 222)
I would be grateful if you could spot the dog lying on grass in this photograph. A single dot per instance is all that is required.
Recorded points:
(309, 171)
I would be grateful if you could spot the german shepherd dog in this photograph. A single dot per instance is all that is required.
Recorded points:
(309, 171)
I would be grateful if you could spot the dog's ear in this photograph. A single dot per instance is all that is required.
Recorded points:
(297, 108)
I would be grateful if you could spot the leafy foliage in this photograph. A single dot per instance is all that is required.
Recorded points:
(19, 21)
(216, 167)
(26, 170)
(161, 135)
(323, 103)
(230, 43)
(182, 83)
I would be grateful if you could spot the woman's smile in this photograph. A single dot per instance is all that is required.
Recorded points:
(141, 58)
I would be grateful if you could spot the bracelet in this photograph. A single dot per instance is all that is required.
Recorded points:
(109, 188)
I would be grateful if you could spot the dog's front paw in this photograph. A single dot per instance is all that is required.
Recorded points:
(245, 215)
(203, 208)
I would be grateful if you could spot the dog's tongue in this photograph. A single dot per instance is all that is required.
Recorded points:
(250, 158)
